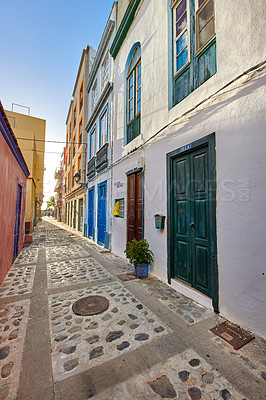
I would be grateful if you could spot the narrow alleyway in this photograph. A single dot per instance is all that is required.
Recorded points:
(150, 342)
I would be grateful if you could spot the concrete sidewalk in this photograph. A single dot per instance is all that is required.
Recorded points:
(151, 342)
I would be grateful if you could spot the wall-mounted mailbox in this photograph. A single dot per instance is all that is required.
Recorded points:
(159, 221)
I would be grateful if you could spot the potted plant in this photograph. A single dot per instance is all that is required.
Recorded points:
(139, 254)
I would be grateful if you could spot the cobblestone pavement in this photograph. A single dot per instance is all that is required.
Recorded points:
(150, 343)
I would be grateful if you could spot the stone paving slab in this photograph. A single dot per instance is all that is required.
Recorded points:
(71, 272)
(184, 307)
(252, 355)
(65, 252)
(186, 376)
(13, 320)
(18, 281)
(28, 255)
(79, 343)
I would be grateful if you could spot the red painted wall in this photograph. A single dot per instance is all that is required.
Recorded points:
(10, 174)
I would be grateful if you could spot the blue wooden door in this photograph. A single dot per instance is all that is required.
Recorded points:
(17, 222)
(91, 212)
(101, 218)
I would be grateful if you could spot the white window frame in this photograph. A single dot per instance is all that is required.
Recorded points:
(198, 10)
(104, 134)
(105, 67)
(94, 95)
(175, 39)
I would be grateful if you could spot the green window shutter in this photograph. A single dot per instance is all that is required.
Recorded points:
(206, 64)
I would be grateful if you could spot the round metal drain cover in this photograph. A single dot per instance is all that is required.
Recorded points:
(90, 305)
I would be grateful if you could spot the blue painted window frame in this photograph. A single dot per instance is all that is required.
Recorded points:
(92, 131)
(104, 111)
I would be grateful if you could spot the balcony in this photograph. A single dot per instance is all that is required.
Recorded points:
(57, 187)
(102, 157)
(91, 168)
(57, 173)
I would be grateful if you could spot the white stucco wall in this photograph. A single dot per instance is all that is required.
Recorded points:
(237, 116)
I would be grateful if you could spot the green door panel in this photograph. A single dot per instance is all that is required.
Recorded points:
(191, 219)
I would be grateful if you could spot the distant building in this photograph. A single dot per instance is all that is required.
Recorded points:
(59, 210)
(97, 224)
(13, 181)
(76, 141)
(30, 134)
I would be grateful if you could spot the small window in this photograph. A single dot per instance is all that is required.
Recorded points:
(74, 145)
(92, 143)
(94, 95)
(75, 115)
(103, 137)
(119, 209)
(81, 97)
(105, 71)
(80, 132)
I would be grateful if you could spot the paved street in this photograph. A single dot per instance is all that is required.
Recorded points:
(150, 343)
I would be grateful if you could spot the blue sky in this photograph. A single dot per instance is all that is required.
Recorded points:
(41, 47)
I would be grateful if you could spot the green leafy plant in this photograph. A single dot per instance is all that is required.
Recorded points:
(138, 252)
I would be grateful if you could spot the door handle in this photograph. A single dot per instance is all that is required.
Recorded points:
(192, 226)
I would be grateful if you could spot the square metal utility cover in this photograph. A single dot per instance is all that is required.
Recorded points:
(232, 334)
(127, 277)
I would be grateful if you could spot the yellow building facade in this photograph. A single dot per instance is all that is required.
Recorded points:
(30, 134)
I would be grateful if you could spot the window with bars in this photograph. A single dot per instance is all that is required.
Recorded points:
(194, 45)
(133, 93)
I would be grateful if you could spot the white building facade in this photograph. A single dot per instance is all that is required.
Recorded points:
(188, 144)
(98, 209)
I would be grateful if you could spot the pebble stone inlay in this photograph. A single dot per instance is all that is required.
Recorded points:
(27, 256)
(19, 280)
(70, 272)
(185, 308)
(95, 339)
(175, 379)
(65, 252)
(13, 320)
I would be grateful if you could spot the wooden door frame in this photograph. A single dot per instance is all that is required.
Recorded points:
(135, 171)
(208, 140)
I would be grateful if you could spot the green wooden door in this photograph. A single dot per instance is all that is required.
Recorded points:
(191, 219)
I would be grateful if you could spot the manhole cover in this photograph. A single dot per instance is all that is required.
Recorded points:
(90, 305)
